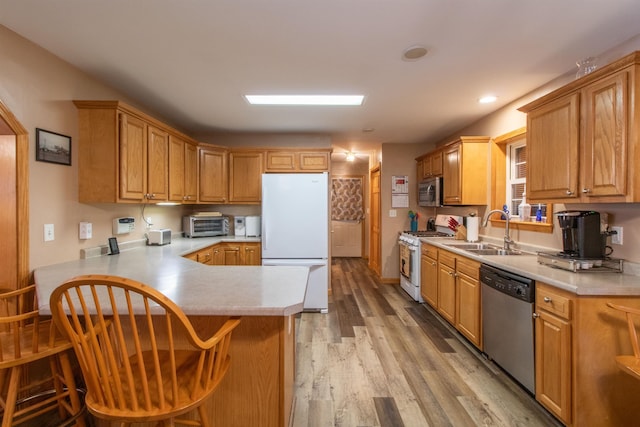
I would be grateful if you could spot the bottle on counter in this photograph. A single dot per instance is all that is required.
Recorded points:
(524, 208)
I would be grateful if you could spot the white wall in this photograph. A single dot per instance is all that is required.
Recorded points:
(39, 88)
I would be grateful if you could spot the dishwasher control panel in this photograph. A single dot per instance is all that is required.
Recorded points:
(508, 283)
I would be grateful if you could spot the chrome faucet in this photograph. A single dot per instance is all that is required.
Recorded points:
(507, 236)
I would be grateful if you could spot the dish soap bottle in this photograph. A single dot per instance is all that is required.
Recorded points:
(524, 208)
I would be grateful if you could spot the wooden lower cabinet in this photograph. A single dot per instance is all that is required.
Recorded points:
(447, 286)
(229, 253)
(553, 351)
(429, 274)
(577, 339)
(468, 300)
(457, 292)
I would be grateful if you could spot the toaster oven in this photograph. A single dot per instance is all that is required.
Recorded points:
(205, 226)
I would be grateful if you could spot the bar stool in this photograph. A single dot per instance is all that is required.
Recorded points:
(26, 338)
(629, 363)
(141, 358)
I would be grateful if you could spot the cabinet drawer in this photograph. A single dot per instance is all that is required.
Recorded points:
(447, 258)
(468, 268)
(430, 251)
(553, 301)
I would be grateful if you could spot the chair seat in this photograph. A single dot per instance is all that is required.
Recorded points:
(44, 349)
(189, 396)
(629, 364)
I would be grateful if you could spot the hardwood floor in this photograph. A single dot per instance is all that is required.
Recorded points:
(379, 358)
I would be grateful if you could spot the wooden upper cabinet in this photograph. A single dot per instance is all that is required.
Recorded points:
(580, 138)
(133, 158)
(245, 176)
(312, 161)
(604, 149)
(213, 178)
(465, 167)
(291, 160)
(430, 165)
(157, 164)
(123, 154)
(552, 149)
(183, 169)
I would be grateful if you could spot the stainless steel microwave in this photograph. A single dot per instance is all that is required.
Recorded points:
(205, 226)
(430, 192)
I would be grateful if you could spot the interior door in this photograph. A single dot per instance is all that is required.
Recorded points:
(347, 215)
(374, 235)
(14, 197)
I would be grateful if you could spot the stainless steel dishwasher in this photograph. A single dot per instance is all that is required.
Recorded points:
(508, 324)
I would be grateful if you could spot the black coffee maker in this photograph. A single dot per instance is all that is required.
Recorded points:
(581, 236)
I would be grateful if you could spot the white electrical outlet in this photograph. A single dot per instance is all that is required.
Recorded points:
(85, 230)
(616, 239)
(393, 213)
(48, 233)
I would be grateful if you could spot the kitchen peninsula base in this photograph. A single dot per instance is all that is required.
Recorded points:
(258, 388)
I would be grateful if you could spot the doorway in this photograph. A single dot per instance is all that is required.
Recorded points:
(14, 219)
(347, 216)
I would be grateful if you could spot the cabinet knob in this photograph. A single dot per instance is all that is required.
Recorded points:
(569, 192)
(536, 315)
(547, 299)
(433, 263)
(586, 190)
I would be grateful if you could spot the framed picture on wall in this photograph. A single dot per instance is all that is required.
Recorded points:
(53, 147)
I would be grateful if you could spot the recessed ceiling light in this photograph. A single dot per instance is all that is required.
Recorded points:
(305, 99)
(488, 99)
(414, 53)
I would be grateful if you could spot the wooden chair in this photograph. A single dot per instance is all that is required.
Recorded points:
(629, 364)
(26, 338)
(140, 356)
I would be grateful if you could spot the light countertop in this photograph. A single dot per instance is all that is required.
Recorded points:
(197, 288)
(582, 283)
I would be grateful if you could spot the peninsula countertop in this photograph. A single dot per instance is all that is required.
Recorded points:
(197, 288)
(583, 283)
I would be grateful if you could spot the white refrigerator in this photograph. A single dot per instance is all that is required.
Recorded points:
(295, 229)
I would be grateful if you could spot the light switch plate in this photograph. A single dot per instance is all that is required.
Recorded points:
(48, 233)
(85, 230)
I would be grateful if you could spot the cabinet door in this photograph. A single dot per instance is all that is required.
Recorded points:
(604, 162)
(190, 172)
(231, 254)
(468, 307)
(252, 254)
(436, 164)
(429, 280)
(452, 174)
(314, 162)
(205, 256)
(213, 176)
(245, 177)
(552, 150)
(447, 292)
(157, 164)
(281, 161)
(176, 169)
(217, 254)
(133, 158)
(553, 364)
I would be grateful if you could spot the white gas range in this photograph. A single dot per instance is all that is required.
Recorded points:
(409, 247)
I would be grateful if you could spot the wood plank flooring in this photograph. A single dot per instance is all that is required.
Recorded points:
(379, 358)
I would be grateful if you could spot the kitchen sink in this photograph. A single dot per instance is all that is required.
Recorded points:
(472, 246)
(494, 251)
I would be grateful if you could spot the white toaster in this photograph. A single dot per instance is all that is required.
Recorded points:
(159, 237)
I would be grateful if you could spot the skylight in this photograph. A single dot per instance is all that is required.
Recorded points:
(305, 99)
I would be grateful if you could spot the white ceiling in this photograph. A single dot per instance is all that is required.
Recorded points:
(192, 60)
